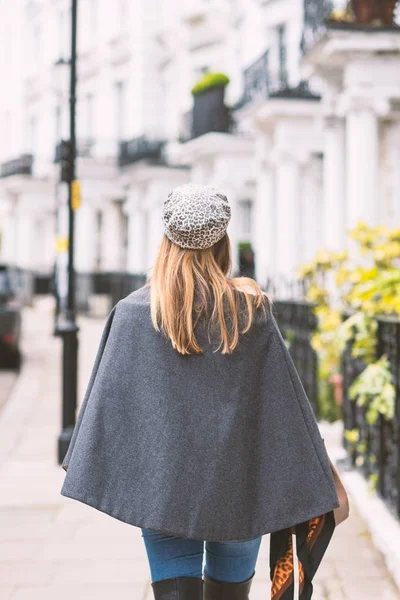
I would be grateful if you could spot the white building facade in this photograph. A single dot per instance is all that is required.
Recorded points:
(311, 145)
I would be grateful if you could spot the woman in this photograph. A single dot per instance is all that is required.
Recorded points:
(195, 426)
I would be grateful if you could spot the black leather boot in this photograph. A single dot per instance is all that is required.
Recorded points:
(178, 588)
(221, 590)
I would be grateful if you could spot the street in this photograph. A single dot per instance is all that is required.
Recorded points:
(52, 547)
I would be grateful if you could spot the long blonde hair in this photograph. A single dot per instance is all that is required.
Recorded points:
(182, 283)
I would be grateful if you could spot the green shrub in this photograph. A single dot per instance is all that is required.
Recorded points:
(368, 286)
(328, 410)
(244, 246)
(208, 81)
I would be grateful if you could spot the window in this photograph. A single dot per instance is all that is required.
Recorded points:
(7, 131)
(32, 127)
(99, 231)
(89, 117)
(93, 19)
(58, 115)
(246, 207)
(120, 109)
(123, 14)
(64, 23)
(36, 41)
(125, 239)
(282, 55)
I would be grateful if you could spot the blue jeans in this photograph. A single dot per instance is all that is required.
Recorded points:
(171, 556)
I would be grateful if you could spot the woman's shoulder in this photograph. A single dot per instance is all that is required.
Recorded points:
(140, 296)
(247, 287)
(133, 306)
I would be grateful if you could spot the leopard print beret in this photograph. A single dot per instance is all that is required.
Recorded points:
(195, 216)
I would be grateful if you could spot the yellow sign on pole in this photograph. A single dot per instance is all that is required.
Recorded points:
(75, 194)
(62, 244)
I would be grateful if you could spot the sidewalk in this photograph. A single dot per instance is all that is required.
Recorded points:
(53, 548)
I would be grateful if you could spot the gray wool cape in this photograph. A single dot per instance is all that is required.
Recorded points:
(209, 447)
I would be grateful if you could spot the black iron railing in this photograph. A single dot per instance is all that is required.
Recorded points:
(377, 451)
(257, 83)
(86, 148)
(319, 17)
(19, 166)
(287, 288)
(141, 148)
(22, 283)
(297, 323)
(269, 79)
(114, 284)
(122, 284)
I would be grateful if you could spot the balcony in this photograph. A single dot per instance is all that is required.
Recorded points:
(91, 148)
(19, 166)
(321, 16)
(263, 80)
(141, 148)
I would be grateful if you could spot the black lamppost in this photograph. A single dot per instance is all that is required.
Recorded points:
(66, 326)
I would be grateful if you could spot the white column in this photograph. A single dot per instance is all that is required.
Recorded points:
(24, 233)
(25, 229)
(111, 237)
(8, 229)
(287, 222)
(38, 248)
(264, 223)
(49, 244)
(334, 185)
(155, 234)
(137, 236)
(233, 227)
(86, 236)
(362, 165)
(309, 229)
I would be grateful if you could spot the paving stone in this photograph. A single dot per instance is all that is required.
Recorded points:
(69, 510)
(7, 380)
(319, 592)
(367, 588)
(22, 572)
(103, 591)
(32, 531)
(95, 549)
(98, 571)
(6, 591)
(260, 590)
(11, 517)
(14, 550)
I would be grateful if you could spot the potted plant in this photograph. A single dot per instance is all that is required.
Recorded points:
(385, 10)
(210, 81)
(246, 260)
(364, 11)
(209, 110)
(367, 11)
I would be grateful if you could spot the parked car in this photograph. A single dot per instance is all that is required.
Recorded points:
(10, 321)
